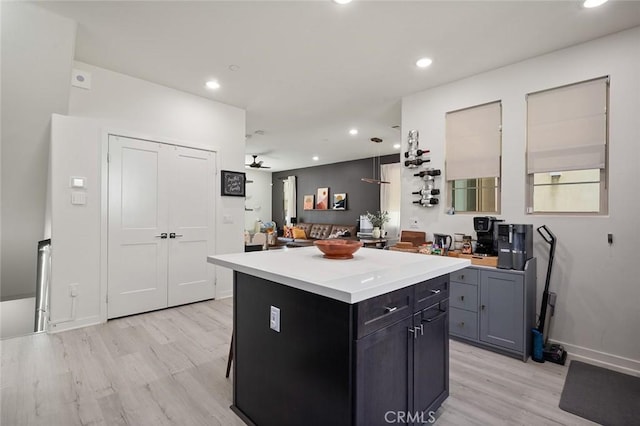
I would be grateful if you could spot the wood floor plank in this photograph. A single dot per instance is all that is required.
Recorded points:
(167, 368)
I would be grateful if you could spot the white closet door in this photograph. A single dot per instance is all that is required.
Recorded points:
(138, 216)
(191, 220)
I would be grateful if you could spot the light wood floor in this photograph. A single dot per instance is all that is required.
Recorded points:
(167, 368)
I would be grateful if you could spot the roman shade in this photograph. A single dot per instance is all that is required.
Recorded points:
(473, 145)
(567, 127)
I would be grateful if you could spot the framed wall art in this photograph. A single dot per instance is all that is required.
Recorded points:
(340, 201)
(233, 183)
(308, 202)
(322, 199)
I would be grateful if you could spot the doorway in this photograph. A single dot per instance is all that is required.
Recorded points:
(161, 225)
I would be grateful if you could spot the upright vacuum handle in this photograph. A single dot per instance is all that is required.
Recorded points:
(548, 236)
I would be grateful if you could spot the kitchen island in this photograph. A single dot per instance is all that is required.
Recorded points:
(317, 341)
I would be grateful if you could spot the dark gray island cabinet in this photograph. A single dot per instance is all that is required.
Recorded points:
(364, 343)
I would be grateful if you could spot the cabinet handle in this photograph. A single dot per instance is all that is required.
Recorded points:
(174, 235)
(421, 330)
(462, 277)
(437, 317)
(482, 307)
(163, 235)
(435, 291)
(462, 298)
(414, 332)
(388, 310)
(462, 324)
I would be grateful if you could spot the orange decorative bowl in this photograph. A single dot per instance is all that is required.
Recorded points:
(338, 249)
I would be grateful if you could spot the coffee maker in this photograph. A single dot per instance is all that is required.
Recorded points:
(486, 228)
(515, 245)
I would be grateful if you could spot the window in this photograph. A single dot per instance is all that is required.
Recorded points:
(567, 148)
(474, 145)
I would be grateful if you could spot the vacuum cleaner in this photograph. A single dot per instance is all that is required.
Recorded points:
(542, 350)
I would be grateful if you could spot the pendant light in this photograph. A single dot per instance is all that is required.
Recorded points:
(376, 167)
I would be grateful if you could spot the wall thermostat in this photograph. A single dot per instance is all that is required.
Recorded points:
(78, 182)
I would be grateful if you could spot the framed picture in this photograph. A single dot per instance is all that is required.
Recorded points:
(322, 199)
(233, 183)
(308, 202)
(340, 201)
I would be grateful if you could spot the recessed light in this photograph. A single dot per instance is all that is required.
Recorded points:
(593, 3)
(423, 62)
(234, 67)
(213, 85)
(342, 1)
(396, 145)
(353, 131)
(315, 158)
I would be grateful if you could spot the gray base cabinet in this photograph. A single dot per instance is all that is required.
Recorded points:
(494, 308)
(403, 368)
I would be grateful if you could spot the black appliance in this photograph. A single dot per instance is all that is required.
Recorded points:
(515, 245)
(486, 228)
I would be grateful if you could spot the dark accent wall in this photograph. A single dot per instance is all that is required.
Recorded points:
(339, 178)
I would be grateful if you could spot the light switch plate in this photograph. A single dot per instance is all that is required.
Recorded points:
(274, 320)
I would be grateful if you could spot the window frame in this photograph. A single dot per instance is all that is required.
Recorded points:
(498, 188)
(604, 173)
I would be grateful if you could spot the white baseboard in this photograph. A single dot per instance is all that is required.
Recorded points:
(225, 294)
(602, 359)
(71, 325)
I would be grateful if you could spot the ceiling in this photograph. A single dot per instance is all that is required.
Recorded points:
(308, 71)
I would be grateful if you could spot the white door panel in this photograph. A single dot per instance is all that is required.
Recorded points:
(138, 205)
(157, 189)
(191, 216)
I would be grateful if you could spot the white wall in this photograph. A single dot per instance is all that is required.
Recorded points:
(598, 311)
(137, 108)
(258, 198)
(37, 54)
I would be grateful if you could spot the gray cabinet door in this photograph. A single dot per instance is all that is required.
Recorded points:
(431, 360)
(502, 309)
(383, 372)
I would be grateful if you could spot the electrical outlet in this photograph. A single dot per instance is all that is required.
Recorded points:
(274, 320)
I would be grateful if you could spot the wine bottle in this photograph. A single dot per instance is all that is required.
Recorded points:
(418, 153)
(432, 172)
(416, 162)
(434, 191)
(427, 201)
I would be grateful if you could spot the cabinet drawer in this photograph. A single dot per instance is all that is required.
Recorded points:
(466, 275)
(464, 296)
(381, 311)
(431, 292)
(463, 323)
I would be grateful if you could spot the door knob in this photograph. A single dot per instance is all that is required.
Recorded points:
(163, 235)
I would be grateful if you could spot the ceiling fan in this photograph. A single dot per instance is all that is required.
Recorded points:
(257, 164)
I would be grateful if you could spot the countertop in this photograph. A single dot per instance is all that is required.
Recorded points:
(370, 273)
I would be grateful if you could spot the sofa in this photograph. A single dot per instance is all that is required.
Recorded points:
(317, 231)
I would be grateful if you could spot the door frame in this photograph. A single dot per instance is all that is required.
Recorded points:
(104, 200)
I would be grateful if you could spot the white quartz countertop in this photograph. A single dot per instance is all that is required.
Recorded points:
(370, 273)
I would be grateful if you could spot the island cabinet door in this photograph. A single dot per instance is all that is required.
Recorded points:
(383, 374)
(431, 361)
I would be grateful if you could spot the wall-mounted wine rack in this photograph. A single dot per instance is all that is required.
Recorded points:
(416, 158)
